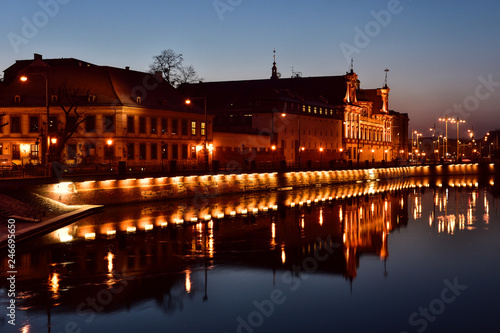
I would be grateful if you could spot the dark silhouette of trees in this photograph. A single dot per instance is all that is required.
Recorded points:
(69, 101)
(170, 63)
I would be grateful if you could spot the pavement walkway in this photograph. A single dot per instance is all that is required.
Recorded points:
(35, 214)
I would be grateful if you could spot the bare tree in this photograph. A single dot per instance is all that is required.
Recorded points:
(188, 75)
(69, 101)
(170, 63)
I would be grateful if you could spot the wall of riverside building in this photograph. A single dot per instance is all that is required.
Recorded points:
(199, 188)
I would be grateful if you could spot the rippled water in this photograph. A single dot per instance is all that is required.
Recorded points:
(404, 256)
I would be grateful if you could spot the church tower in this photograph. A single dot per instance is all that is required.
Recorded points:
(275, 74)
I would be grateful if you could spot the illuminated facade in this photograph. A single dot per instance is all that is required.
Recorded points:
(126, 115)
(317, 119)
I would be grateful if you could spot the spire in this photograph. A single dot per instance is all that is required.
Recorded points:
(386, 71)
(275, 74)
(352, 65)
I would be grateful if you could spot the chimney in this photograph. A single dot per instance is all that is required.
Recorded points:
(38, 56)
(159, 75)
(127, 68)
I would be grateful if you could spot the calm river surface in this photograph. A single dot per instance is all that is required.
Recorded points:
(409, 255)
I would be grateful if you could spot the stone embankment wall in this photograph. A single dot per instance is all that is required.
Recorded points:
(122, 191)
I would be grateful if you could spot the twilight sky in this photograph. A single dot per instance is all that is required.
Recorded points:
(442, 55)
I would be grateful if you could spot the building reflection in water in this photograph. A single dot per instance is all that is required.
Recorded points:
(275, 230)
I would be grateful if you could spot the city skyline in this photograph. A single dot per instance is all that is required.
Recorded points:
(441, 58)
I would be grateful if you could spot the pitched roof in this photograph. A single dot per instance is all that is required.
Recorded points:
(111, 86)
(325, 91)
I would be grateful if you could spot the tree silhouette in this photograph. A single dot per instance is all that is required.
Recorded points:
(69, 101)
(170, 63)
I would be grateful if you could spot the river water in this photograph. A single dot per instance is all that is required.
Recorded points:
(409, 255)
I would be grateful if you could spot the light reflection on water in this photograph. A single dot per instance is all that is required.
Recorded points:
(332, 255)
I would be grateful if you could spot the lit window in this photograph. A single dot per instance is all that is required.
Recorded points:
(193, 127)
(203, 128)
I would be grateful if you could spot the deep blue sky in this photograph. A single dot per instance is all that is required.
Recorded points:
(436, 51)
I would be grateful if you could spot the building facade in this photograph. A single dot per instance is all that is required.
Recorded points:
(316, 119)
(80, 113)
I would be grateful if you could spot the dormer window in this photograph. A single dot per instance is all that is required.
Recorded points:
(92, 98)
(139, 100)
(17, 99)
(164, 103)
(53, 98)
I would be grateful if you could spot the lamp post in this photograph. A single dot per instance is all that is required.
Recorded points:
(109, 142)
(320, 157)
(458, 121)
(162, 153)
(53, 142)
(204, 98)
(45, 143)
(273, 148)
(446, 120)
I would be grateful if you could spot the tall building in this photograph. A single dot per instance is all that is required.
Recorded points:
(95, 114)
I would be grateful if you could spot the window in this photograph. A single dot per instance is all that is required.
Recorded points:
(52, 124)
(90, 124)
(16, 152)
(109, 151)
(163, 126)
(193, 127)
(142, 151)
(203, 128)
(175, 126)
(34, 124)
(184, 152)
(1, 149)
(15, 124)
(53, 98)
(142, 125)
(154, 125)
(71, 151)
(175, 151)
(17, 99)
(130, 124)
(34, 151)
(130, 150)
(154, 151)
(164, 151)
(184, 127)
(109, 124)
(71, 123)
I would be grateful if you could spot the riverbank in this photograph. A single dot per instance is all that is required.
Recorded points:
(34, 214)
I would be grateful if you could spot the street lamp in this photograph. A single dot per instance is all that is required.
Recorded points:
(273, 148)
(188, 102)
(458, 121)
(446, 120)
(109, 142)
(320, 156)
(45, 143)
